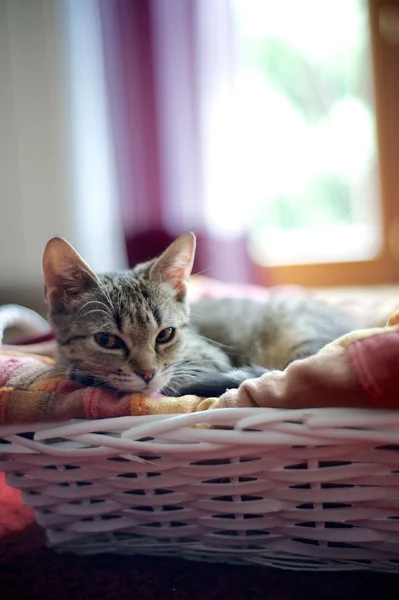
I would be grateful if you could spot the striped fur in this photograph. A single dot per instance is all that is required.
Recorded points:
(222, 342)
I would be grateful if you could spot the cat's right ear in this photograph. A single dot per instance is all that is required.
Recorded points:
(175, 264)
(64, 270)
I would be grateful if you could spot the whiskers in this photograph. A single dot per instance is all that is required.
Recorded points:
(100, 284)
(211, 341)
(84, 377)
(102, 309)
(108, 307)
(105, 307)
(88, 378)
(120, 301)
(167, 300)
(193, 275)
(181, 372)
(170, 389)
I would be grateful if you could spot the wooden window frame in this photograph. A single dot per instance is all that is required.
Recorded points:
(384, 269)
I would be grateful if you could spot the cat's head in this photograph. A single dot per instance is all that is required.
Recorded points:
(125, 329)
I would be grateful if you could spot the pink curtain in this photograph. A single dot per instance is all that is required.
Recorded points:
(170, 68)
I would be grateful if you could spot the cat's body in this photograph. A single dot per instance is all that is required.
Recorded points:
(133, 331)
(256, 336)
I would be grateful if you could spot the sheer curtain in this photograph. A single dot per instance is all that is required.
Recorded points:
(171, 79)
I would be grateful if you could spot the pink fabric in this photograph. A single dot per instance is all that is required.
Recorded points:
(326, 379)
(375, 361)
(103, 403)
(9, 367)
(168, 64)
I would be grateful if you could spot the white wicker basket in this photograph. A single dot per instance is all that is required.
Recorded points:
(304, 489)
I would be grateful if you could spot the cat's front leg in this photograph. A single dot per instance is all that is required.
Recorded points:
(201, 360)
(206, 370)
(217, 383)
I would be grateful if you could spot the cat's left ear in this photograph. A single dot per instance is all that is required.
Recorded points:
(174, 266)
(64, 270)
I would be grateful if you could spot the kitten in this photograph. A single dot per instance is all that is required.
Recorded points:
(132, 330)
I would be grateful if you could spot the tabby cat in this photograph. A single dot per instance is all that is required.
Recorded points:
(133, 331)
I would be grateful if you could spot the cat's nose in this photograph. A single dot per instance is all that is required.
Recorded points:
(146, 375)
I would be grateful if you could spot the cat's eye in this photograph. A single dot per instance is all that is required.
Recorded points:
(166, 335)
(109, 341)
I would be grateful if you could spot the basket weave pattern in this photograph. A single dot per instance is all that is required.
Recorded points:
(314, 489)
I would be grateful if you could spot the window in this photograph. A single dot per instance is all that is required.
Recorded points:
(320, 217)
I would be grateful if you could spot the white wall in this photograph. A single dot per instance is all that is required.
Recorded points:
(52, 181)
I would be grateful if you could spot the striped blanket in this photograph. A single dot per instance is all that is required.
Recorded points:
(358, 370)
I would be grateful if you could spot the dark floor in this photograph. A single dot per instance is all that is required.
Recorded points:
(28, 571)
